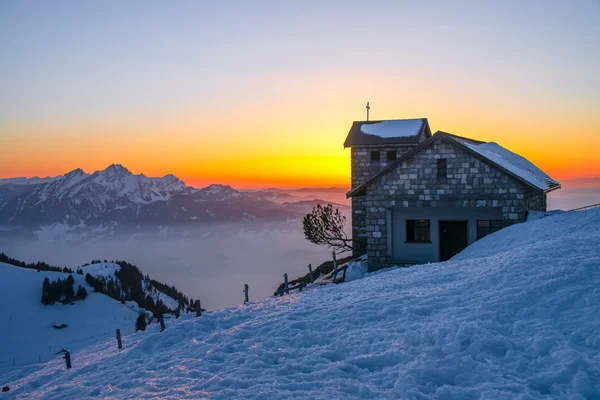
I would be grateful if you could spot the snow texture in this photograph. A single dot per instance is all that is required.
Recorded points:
(394, 128)
(28, 335)
(512, 162)
(516, 315)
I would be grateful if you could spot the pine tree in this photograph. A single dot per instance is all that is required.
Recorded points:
(81, 293)
(56, 290)
(68, 288)
(140, 322)
(45, 291)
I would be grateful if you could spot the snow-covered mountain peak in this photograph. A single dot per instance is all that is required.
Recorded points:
(116, 195)
(77, 171)
(114, 170)
(221, 192)
(217, 188)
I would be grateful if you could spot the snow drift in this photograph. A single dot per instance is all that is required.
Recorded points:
(516, 315)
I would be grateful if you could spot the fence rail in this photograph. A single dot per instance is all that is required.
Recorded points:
(586, 207)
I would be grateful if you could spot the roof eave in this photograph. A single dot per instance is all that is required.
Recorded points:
(553, 188)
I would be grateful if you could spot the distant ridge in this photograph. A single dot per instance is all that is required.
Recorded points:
(115, 198)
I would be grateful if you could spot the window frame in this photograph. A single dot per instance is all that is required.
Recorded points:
(375, 156)
(395, 155)
(493, 225)
(442, 172)
(416, 229)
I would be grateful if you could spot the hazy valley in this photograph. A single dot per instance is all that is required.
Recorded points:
(207, 242)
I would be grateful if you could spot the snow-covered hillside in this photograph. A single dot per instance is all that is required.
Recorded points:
(28, 334)
(516, 315)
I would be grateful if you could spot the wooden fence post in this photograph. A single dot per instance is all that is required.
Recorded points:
(119, 343)
(198, 309)
(161, 319)
(310, 274)
(335, 272)
(245, 293)
(285, 284)
(68, 359)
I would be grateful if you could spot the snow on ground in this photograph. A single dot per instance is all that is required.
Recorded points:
(393, 128)
(516, 315)
(155, 294)
(101, 269)
(27, 328)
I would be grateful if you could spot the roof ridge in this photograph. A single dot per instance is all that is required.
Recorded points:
(391, 119)
(457, 140)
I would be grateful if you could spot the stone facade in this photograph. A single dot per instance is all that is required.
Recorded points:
(362, 169)
(469, 183)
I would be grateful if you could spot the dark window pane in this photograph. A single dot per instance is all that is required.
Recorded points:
(485, 227)
(375, 156)
(391, 155)
(442, 171)
(417, 230)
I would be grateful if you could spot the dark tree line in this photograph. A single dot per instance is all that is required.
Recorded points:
(129, 286)
(40, 266)
(61, 291)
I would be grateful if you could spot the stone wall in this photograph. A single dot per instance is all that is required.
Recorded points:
(362, 169)
(359, 231)
(469, 183)
(535, 201)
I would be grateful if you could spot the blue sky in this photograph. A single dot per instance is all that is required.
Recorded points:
(70, 66)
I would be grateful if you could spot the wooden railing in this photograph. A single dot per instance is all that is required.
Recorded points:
(586, 207)
(287, 288)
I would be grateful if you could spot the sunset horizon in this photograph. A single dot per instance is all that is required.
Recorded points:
(263, 101)
(307, 199)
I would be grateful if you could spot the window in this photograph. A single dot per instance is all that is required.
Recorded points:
(442, 171)
(417, 230)
(485, 227)
(375, 156)
(391, 155)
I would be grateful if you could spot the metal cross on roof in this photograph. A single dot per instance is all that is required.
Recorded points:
(368, 108)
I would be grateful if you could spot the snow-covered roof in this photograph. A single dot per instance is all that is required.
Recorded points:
(491, 152)
(394, 128)
(388, 132)
(514, 163)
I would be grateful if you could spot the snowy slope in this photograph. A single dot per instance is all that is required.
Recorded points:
(108, 270)
(28, 334)
(517, 315)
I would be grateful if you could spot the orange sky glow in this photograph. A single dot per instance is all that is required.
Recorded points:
(268, 99)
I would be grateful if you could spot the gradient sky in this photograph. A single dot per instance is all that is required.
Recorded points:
(260, 93)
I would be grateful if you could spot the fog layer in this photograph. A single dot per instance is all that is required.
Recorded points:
(211, 263)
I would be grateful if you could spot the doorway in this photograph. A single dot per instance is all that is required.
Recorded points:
(453, 238)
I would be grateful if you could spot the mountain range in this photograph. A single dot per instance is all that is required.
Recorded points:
(116, 197)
